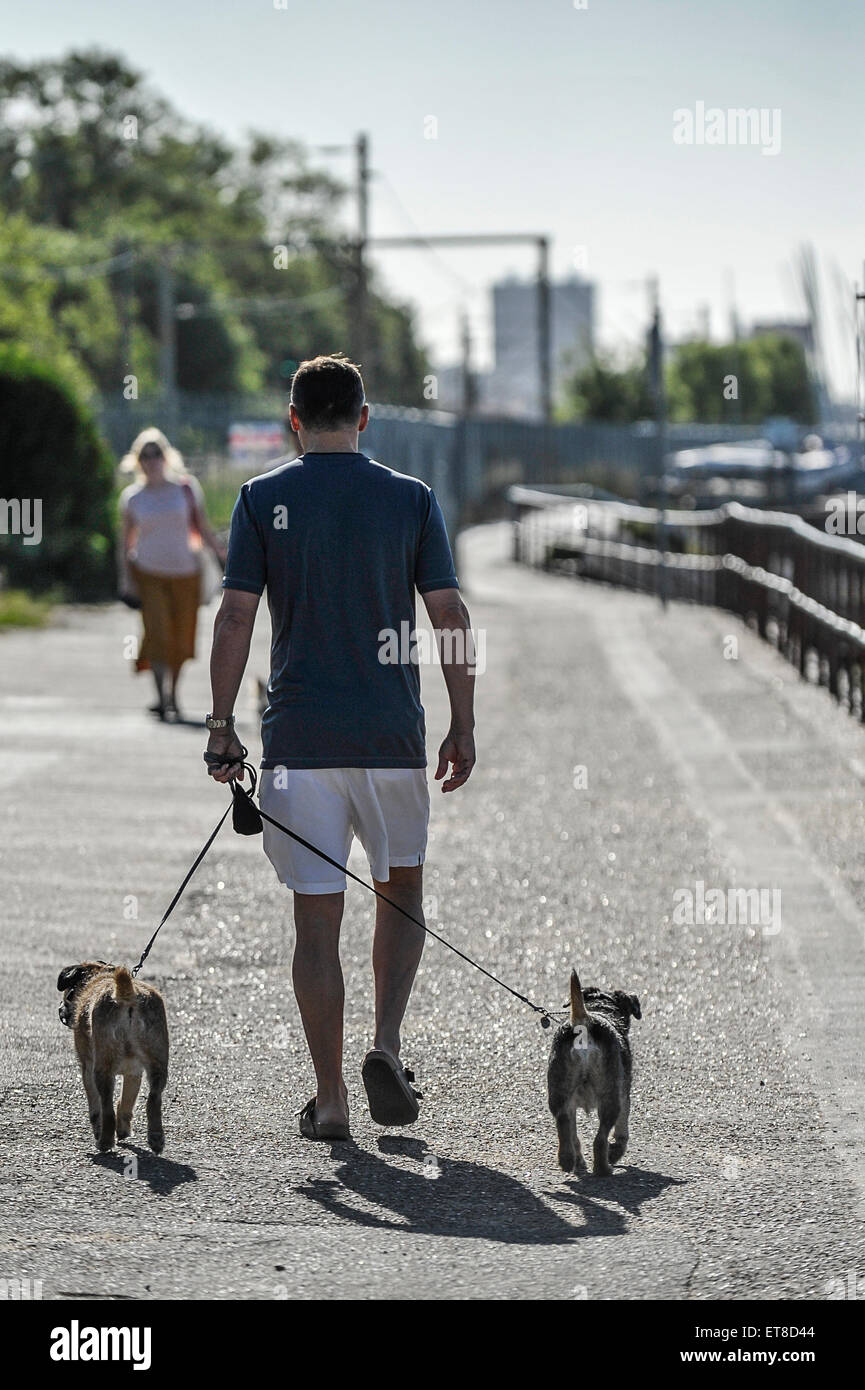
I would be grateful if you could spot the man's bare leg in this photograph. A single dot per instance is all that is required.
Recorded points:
(396, 951)
(320, 994)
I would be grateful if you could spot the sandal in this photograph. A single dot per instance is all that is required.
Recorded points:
(392, 1101)
(311, 1130)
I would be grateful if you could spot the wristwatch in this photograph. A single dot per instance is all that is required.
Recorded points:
(227, 723)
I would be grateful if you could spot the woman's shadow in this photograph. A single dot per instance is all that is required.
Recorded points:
(453, 1197)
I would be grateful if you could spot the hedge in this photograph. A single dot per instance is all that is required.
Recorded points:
(51, 452)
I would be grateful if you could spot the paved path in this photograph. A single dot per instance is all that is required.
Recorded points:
(744, 1178)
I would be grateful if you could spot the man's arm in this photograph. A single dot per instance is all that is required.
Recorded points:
(452, 625)
(232, 633)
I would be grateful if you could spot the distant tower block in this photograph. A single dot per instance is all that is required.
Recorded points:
(512, 387)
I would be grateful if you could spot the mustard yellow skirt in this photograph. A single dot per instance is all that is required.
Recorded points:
(169, 612)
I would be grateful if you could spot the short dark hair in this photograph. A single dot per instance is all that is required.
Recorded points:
(327, 392)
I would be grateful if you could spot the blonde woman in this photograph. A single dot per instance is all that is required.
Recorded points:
(164, 529)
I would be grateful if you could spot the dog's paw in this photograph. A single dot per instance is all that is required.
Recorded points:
(156, 1140)
(617, 1149)
(602, 1170)
(123, 1130)
(571, 1162)
(105, 1145)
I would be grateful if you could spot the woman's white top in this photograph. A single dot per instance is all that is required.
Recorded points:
(165, 542)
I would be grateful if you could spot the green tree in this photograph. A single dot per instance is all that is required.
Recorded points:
(90, 153)
(35, 313)
(728, 383)
(780, 362)
(51, 458)
(608, 391)
(747, 381)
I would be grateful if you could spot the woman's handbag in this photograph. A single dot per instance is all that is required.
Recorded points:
(127, 589)
(210, 576)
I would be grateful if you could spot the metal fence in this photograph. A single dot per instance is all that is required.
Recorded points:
(469, 462)
(801, 589)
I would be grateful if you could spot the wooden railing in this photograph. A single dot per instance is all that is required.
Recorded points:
(803, 590)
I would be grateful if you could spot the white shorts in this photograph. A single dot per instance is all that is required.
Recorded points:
(387, 808)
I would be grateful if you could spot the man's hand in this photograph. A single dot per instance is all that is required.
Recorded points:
(226, 743)
(451, 622)
(458, 750)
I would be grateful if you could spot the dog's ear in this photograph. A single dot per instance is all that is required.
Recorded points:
(628, 1003)
(70, 976)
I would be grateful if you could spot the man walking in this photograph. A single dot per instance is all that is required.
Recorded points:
(341, 543)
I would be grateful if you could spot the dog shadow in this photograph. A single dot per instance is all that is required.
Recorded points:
(162, 1175)
(628, 1186)
(444, 1197)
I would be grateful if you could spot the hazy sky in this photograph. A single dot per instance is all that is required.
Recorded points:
(550, 118)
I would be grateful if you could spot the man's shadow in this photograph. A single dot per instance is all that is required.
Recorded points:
(162, 1175)
(449, 1197)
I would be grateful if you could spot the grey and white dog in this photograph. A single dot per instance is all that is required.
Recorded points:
(590, 1067)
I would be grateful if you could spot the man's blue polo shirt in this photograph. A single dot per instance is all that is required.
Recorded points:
(340, 543)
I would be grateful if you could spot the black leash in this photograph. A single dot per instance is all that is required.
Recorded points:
(177, 896)
(247, 821)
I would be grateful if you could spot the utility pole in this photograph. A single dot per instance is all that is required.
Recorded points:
(860, 369)
(659, 395)
(735, 337)
(123, 294)
(545, 369)
(166, 297)
(363, 352)
(468, 381)
(360, 339)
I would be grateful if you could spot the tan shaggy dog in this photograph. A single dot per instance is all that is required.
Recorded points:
(120, 1030)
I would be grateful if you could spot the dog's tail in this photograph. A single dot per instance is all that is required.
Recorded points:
(578, 1007)
(124, 988)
